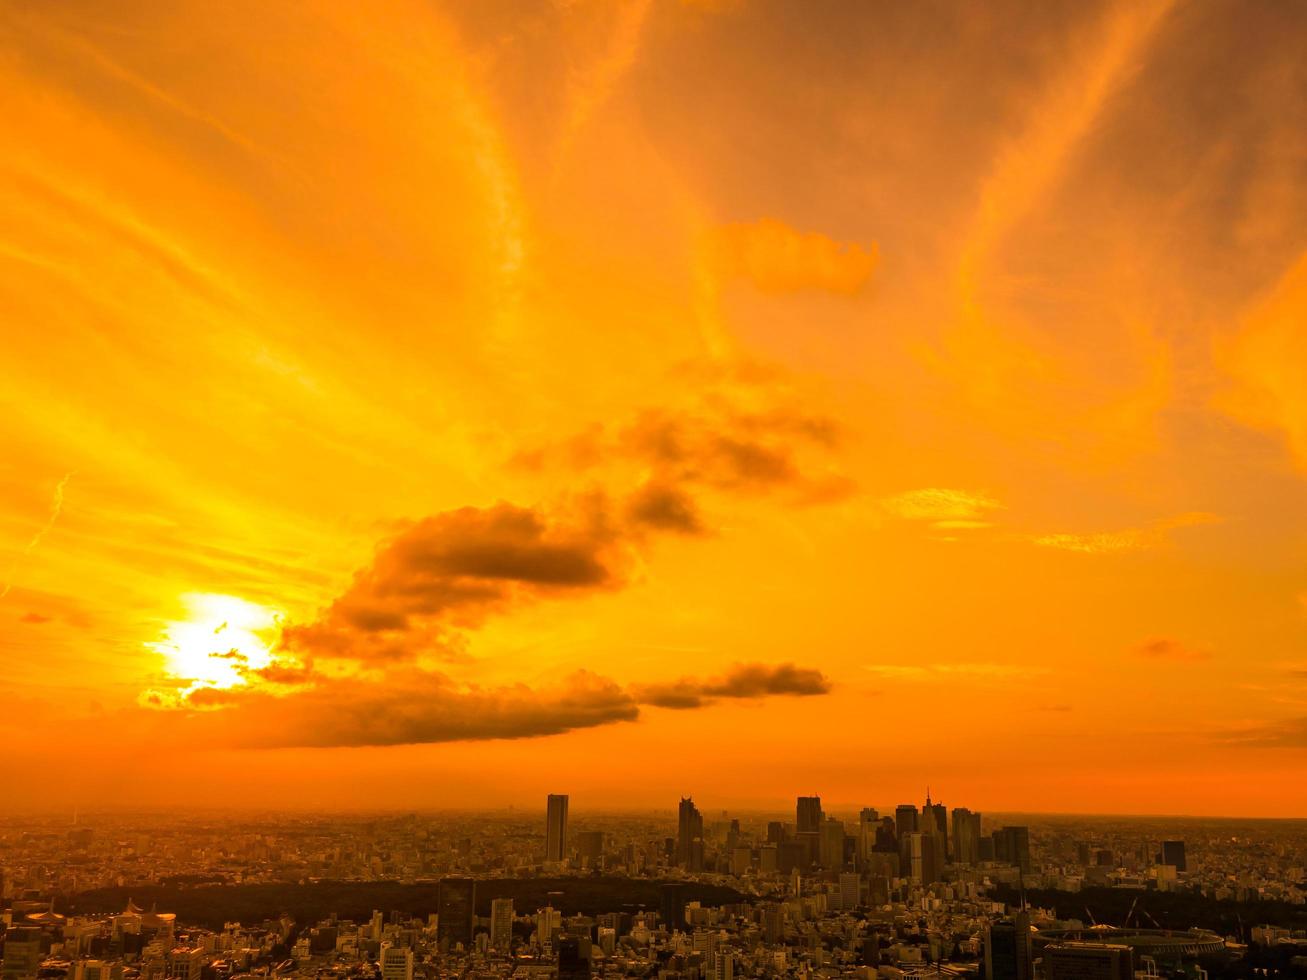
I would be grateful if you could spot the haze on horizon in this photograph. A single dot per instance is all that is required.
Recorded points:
(450, 403)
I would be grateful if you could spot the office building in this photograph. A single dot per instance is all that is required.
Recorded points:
(1012, 846)
(396, 963)
(1088, 961)
(556, 828)
(1173, 854)
(456, 910)
(22, 953)
(501, 924)
(1009, 949)
(689, 830)
(868, 824)
(905, 820)
(573, 958)
(808, 815)
(831, 844)
(673, 906)
(590, 847)
(966, 836)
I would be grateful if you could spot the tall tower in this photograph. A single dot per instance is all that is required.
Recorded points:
(689, 830)
(808, 815)
(556, 828)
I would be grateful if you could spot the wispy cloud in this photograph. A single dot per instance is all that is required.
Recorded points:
(944, 508)
(1165, 648)
(1126, 539)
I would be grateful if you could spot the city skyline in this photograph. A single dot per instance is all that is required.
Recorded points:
(442, 404)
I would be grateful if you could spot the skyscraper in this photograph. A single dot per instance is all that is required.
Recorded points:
(556, 828)
(1173, 854)
(573, 959)
(1009, 949)
(689, 829)
(966, 836)
(832, 844)
(868, 822)
(456, 907)
(924, 854)
(1012, 846)
(905, 820)
(934, 820)
(501, 924)
(808, 815)
(673, 906)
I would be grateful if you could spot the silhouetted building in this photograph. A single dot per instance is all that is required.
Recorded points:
(22, 949)
(573, 959)
(1012, 846)
(831, 844)
(456, 908)
(808, 815)
(501, 923)
(673, 906)
(556, 828)
(1173, 854)
(966, 836)
(689, 830)
(905, 820)
(1009, 949)
(590, 847)
(1088, 961)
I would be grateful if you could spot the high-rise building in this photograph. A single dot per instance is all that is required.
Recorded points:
(934, 820)
(966, 836)
(673, 906)
(396, 963)
(1173, 854)
(456, 908)
(808, 815)
(723, 966)
(1088, 961)
(590, 847)
(573, 959)
(925, 856)
(501, 923)
(1009, 949)
(905, 820)
(556, 828)
(22, 959)
(549, 921)
(850, 890)
(831, 844)
(689, 829)
(868, 822)
(1012, 846)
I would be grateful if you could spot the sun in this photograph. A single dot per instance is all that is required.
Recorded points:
(220, 639)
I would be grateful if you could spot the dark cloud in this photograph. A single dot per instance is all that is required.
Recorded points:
(407, 707)
(664, 508)
(748, 681)
(34, 618)
(742, 432)
(453, 569)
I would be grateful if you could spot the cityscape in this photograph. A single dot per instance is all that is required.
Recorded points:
(915, 891)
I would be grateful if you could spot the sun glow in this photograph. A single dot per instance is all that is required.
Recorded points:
(219, 641)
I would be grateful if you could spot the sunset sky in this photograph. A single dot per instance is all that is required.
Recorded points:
(446, 403)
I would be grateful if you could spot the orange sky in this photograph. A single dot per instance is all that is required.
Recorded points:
(442, 404)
